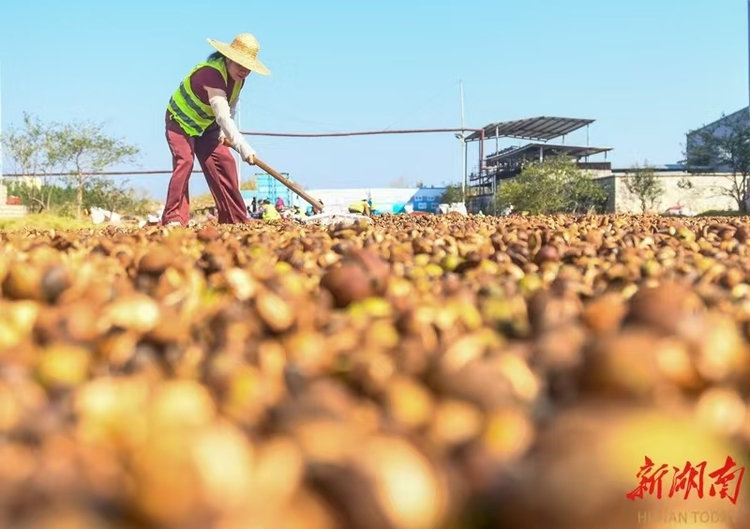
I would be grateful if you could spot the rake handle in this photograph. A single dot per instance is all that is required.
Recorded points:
(281, 178)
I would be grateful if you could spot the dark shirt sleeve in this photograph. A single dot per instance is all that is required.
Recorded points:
(208, 77)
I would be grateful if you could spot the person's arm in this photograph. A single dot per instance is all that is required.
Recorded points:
(232, 114)
(220, 105)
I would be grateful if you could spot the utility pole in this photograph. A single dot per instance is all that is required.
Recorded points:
(463, 142)
(239, 157)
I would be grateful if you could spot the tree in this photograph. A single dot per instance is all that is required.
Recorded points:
(29, 150)
(645, 186)
(453, 194)
(84, 150)
(724, 146)
(555, 185)
(98, 191)
(112, 196)
(249, 185)
(400, 182)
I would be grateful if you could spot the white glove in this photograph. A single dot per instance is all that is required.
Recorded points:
(247, 153)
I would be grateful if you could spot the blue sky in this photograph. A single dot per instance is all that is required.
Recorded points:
(647, 71)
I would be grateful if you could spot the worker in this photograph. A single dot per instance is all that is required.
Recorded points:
(269, 211)
(360, 208)
(199, 119)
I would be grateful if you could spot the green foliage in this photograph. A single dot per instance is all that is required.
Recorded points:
(44, 221)
(453, 194)
(27, 147)
(645, 186)
(721, 213)
(249, 185)
(97, 192)
(724, 146)
(555, 185)
(81, 149)
(30, 153)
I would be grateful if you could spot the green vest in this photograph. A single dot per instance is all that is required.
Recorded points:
(270, 213)
(358, 207)
(188, 110)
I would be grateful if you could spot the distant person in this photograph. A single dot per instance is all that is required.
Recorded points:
(269, 212)
(360, 208)
(199, 118)
(254, 205)
(280, 204)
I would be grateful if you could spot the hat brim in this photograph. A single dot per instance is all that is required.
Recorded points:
(251, 63)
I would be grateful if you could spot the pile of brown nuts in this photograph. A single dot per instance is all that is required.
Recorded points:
(422, 372)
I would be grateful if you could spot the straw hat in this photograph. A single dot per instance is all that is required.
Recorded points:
(244, 51)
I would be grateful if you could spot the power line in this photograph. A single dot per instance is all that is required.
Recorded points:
(279, 135)
(354, 133)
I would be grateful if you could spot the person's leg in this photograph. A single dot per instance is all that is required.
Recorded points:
(182, 146)
(220, 169)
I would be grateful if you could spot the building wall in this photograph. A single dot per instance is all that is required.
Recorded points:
(10, 212)
(13, 212)
(706, 193)
(385, 200)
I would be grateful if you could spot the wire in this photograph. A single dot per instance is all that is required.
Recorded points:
(278, 135)
(353, 133)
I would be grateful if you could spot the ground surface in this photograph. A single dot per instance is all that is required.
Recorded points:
(424, 372)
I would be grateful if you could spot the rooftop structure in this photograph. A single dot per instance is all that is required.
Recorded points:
(541, 128)
(508, 163)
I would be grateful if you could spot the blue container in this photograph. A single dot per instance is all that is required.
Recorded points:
(270, 188)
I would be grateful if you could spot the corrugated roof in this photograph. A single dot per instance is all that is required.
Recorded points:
(542, 128)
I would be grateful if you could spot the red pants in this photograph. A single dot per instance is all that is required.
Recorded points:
(218, 166)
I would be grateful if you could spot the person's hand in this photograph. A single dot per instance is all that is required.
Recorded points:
(247, 153)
